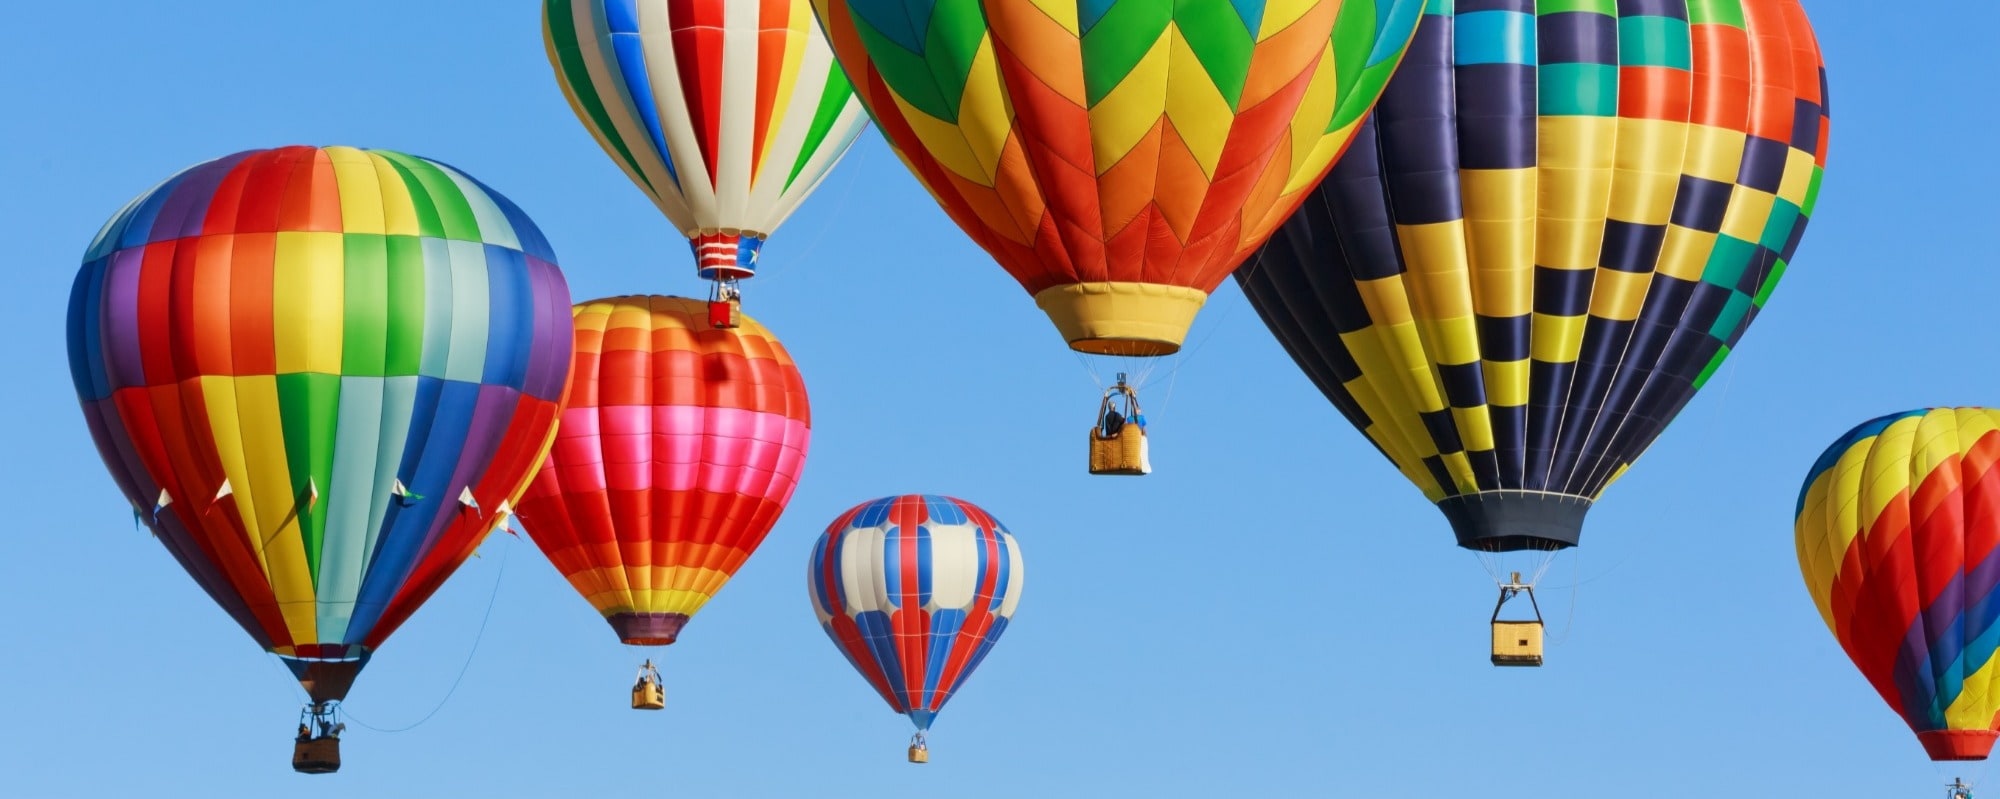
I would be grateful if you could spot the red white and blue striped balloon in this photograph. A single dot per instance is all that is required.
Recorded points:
(915, 590)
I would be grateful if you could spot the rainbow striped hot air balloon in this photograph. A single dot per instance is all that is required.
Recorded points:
(915, 590)
(680, 446)
(322, 374)
(727, 113)
(1898, 534)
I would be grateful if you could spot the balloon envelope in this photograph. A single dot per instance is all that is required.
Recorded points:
(1898, 534)
(677, 452)
(1118, 158)
(1549, 234)
(321, 374)
(915, 590)
(727, 113)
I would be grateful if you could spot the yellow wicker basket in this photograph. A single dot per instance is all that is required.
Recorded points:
(1124, 453)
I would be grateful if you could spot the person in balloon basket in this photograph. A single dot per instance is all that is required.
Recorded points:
(1114, 422)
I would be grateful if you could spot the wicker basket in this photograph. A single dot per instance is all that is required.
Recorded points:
(317, 756)
(1124, 453)
(1517, 643)
(647, 692)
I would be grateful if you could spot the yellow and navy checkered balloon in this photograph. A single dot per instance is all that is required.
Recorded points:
(1559, 220)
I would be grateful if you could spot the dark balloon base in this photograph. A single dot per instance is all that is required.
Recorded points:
(1509, 521)
(326, 680)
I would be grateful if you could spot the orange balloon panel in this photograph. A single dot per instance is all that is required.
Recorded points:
(680, 447)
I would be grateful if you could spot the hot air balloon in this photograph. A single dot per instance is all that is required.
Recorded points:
(1898, 533)
(1119, 158)
(320, 375)
(1557, 223)
(678, 450)
(727, 113)
(915, 590)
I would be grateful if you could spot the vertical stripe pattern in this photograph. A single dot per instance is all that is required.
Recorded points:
(677, 452)
(1560, 219)
(1898, 534)
(727, 113)
(278, 339)
(914, 590)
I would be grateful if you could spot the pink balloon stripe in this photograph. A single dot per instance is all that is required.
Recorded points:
(681, 447)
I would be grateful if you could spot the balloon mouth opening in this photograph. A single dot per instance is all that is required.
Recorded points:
(1129, 347)
(1515, 543)
(647, 641)
(1946, 745)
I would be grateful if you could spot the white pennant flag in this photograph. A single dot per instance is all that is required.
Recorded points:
(164, 500)
(465, 498)
(312, 494)
(397, 489)
(505, 514)
(224, 491)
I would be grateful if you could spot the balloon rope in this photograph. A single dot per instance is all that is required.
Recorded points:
(1563, 637)
(490, 601)
(847, 188)
(1181, 358)
(1089, 368)
(291, 683)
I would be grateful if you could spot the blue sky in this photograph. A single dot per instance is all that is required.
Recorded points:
(1274, 612)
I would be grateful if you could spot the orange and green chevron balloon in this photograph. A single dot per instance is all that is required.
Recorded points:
(1898, 532)
(1119, 157)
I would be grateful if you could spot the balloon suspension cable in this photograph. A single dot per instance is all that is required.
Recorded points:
(1536, 562)
(853, 161)
(491, 599)
(1574, 587)
(1514, 587)
(1179, 359)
